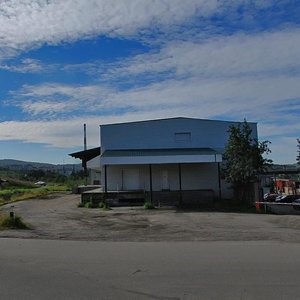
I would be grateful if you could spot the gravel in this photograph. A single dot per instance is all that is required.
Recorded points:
(58, 217)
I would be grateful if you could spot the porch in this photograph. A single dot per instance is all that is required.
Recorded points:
(161, 176)
(159, 198)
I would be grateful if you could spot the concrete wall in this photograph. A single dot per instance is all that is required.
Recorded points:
(94, 163)
(95, 176)
(94, 169)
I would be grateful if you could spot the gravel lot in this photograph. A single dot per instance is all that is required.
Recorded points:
(58, 217)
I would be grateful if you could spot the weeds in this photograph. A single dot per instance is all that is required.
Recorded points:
(8, 222)
(88, 205)
(149, 205)
(104, 205)
(19, 194)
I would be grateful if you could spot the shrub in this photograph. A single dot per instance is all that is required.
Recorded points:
(88, 205)
(8, 222)
(104, 205)
(80, 204)
(6, 197)
(149, 205)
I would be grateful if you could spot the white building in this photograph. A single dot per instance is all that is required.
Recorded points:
(179, 157)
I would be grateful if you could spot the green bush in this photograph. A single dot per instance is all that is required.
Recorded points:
(80, 204)
(104, 205)
(8, 222)
(6, 197)
(88, 205)
(149, 205)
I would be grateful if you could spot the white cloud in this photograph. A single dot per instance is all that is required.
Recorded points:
(233, 96)
(29, 23)
(284, 127)
(284, 150)
(239, 76)
(27, 65)
(240, 97)
(235, 76)
(25, 24)
(55, 99)
(237, 55)
(51, 108)
(57, 134)
(241, 71)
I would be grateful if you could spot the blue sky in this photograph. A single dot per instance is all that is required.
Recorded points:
(66, 63)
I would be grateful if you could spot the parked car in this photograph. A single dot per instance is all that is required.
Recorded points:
(286, 198)
(297, 201)
(270, 197)
(40, 183)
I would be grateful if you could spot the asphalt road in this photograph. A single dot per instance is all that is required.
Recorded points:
(53, 269)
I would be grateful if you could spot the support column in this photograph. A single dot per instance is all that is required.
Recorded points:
(105, 178)
(219, 182)
(150, 178)
(180, 184)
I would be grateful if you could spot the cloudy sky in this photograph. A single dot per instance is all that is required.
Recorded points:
(64, 63)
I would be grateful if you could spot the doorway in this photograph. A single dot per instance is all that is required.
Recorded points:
(131, 180)
(165, 180)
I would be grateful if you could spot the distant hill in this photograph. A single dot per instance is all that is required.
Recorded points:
(19, 165)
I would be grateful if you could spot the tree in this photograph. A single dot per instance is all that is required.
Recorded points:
(243, 160)
(298, 155)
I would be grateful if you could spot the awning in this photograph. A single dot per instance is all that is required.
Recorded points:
(160, 156)
(86, 154)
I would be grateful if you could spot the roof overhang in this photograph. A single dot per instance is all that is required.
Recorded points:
(160, 156)
(87, 154)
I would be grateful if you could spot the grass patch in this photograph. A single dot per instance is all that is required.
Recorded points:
(16, 222)
(89, 205)
(57, 188)
(104, 205)
(149, 205)
(17, 183)
(20, 194)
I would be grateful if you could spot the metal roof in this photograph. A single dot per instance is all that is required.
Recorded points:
(87, 154)
(159, 152)
(175, 118)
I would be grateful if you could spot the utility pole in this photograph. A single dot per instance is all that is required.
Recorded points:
(84, 161)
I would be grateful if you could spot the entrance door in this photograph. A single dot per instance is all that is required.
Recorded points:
(165, 180)
(131, 180)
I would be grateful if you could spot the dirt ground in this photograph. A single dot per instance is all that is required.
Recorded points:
(59, 218)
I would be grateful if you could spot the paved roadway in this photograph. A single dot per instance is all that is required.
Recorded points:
(53, 269)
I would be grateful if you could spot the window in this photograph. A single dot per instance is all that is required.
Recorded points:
(183, 136)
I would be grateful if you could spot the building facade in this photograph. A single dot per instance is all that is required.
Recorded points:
(177, 156)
